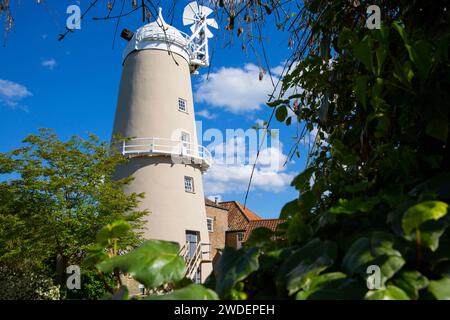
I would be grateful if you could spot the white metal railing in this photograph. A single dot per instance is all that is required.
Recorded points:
(160, 146)
(192, 48)
(194, 258)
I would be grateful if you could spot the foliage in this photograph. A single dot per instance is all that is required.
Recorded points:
(156, 264)
(377, 184)
(19, 284)
(376, 188)
(56, 197)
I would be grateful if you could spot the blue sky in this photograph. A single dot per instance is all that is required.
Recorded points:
(72, 86)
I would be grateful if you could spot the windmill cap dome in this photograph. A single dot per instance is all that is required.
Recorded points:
(158, 35)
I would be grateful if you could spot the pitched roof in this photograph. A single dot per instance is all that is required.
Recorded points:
(238, 218)
(232, 205)
(271, 224)
(211, 203)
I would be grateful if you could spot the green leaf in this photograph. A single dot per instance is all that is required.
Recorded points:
(440, 289)
(288, 121)
(438, 129)
(388, 293)
(191, 292)
(335, 285)
(233, 267)
(290, 209)
(381, 54)
(421, 212)
(377, 250)
(346, 206)
(404, 73)
(281, 113)
(363, 52)
(421, 53)
(305, 263)
(154, 263)
(346, 38)
(401, 31)
(300, 181)
(360, 87)
(298, 230)
(275, 103)
(259, 237)
(411, 282)
(431, 232)
(113, 230)
(95, 255)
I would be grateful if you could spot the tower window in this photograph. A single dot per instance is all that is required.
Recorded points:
(182, 105)
(210, 224)
(188, 184)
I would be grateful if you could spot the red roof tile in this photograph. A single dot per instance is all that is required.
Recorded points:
(271, 224)
(238, 218)
(213, 204)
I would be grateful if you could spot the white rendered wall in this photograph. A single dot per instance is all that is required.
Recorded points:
(152, 81)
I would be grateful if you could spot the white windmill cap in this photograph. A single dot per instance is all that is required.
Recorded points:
(158, 35)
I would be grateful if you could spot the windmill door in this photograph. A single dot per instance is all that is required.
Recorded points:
(192, 240)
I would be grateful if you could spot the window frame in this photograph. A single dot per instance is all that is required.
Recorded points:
(184, 103)
(212, 224)
(239, 235)
(192, 190)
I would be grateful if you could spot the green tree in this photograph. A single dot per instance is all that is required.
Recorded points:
(55, 198)
(376, 188)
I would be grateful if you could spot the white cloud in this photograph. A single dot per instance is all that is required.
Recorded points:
(237, 90)
(229, 175)
(49, 63)
(278, 71)
(11, 93)
(206, 114)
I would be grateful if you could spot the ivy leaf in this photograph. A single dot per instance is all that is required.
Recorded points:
(430, 233)
(421, 212)
(300, 181)
(281, 113)
(275, 103)
(440, 289)
(154, 263)
(388, 293)
(360, 87)
(259, 237)
(377, 250)
(335, 285)
(346, 206)
(411, 282)
(306, 262)
(363, 52)
(113, 230)
(233, 267)
(191, 292)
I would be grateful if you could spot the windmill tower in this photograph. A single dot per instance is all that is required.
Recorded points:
(155, 110)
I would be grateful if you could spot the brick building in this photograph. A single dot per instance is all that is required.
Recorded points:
(230, 224)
